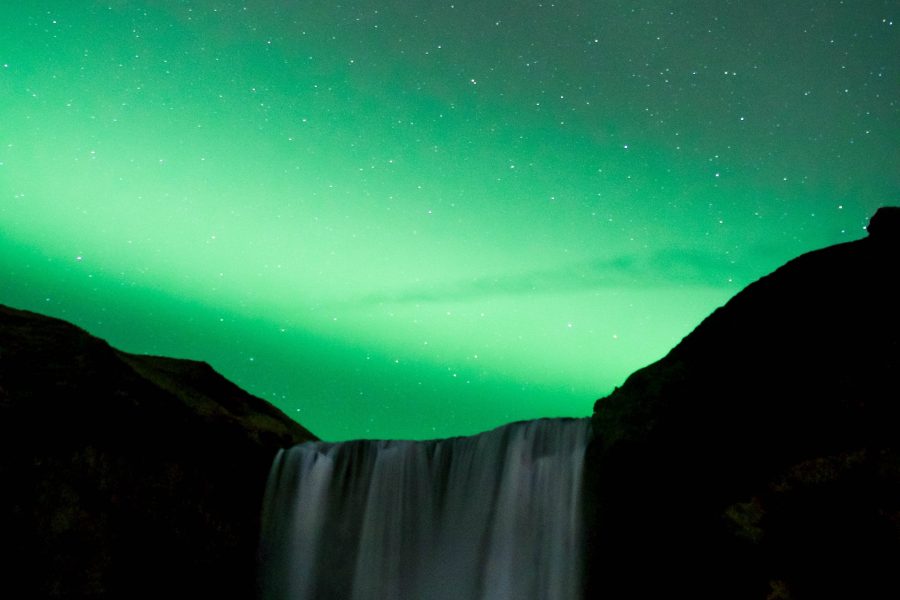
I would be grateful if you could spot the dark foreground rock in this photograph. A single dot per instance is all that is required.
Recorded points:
(761, 457)
(126, 476)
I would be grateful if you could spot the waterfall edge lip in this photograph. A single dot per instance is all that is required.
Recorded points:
(452, 437)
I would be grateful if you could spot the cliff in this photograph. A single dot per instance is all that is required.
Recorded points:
(126, 476)
(761, 457)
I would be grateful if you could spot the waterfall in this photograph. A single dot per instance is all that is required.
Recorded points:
(494, 516)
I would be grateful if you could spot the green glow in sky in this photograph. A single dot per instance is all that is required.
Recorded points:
(421, 219)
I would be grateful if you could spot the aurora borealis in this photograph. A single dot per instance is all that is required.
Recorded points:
(421, 219)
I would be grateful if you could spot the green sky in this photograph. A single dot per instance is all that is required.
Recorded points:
(422, 219)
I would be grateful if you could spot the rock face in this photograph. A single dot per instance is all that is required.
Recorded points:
(761, 457)
(126, 476)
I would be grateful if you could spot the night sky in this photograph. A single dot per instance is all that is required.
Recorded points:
(418, 219)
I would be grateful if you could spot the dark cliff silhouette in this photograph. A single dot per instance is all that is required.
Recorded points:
(761, 457)
(126, 476)
(758, 459)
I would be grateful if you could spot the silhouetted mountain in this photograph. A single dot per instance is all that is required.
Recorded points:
(126, 476)
(761, 457)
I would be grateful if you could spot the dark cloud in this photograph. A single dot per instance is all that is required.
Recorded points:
(663, 268)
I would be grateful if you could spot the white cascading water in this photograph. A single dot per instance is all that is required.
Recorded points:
(494, 516)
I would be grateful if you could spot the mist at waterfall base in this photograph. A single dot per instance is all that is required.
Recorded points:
(494, 516)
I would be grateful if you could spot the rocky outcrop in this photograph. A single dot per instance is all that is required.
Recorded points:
(126, 476)
(761, 457)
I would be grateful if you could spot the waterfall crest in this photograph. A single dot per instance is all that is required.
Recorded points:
(494, 516)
